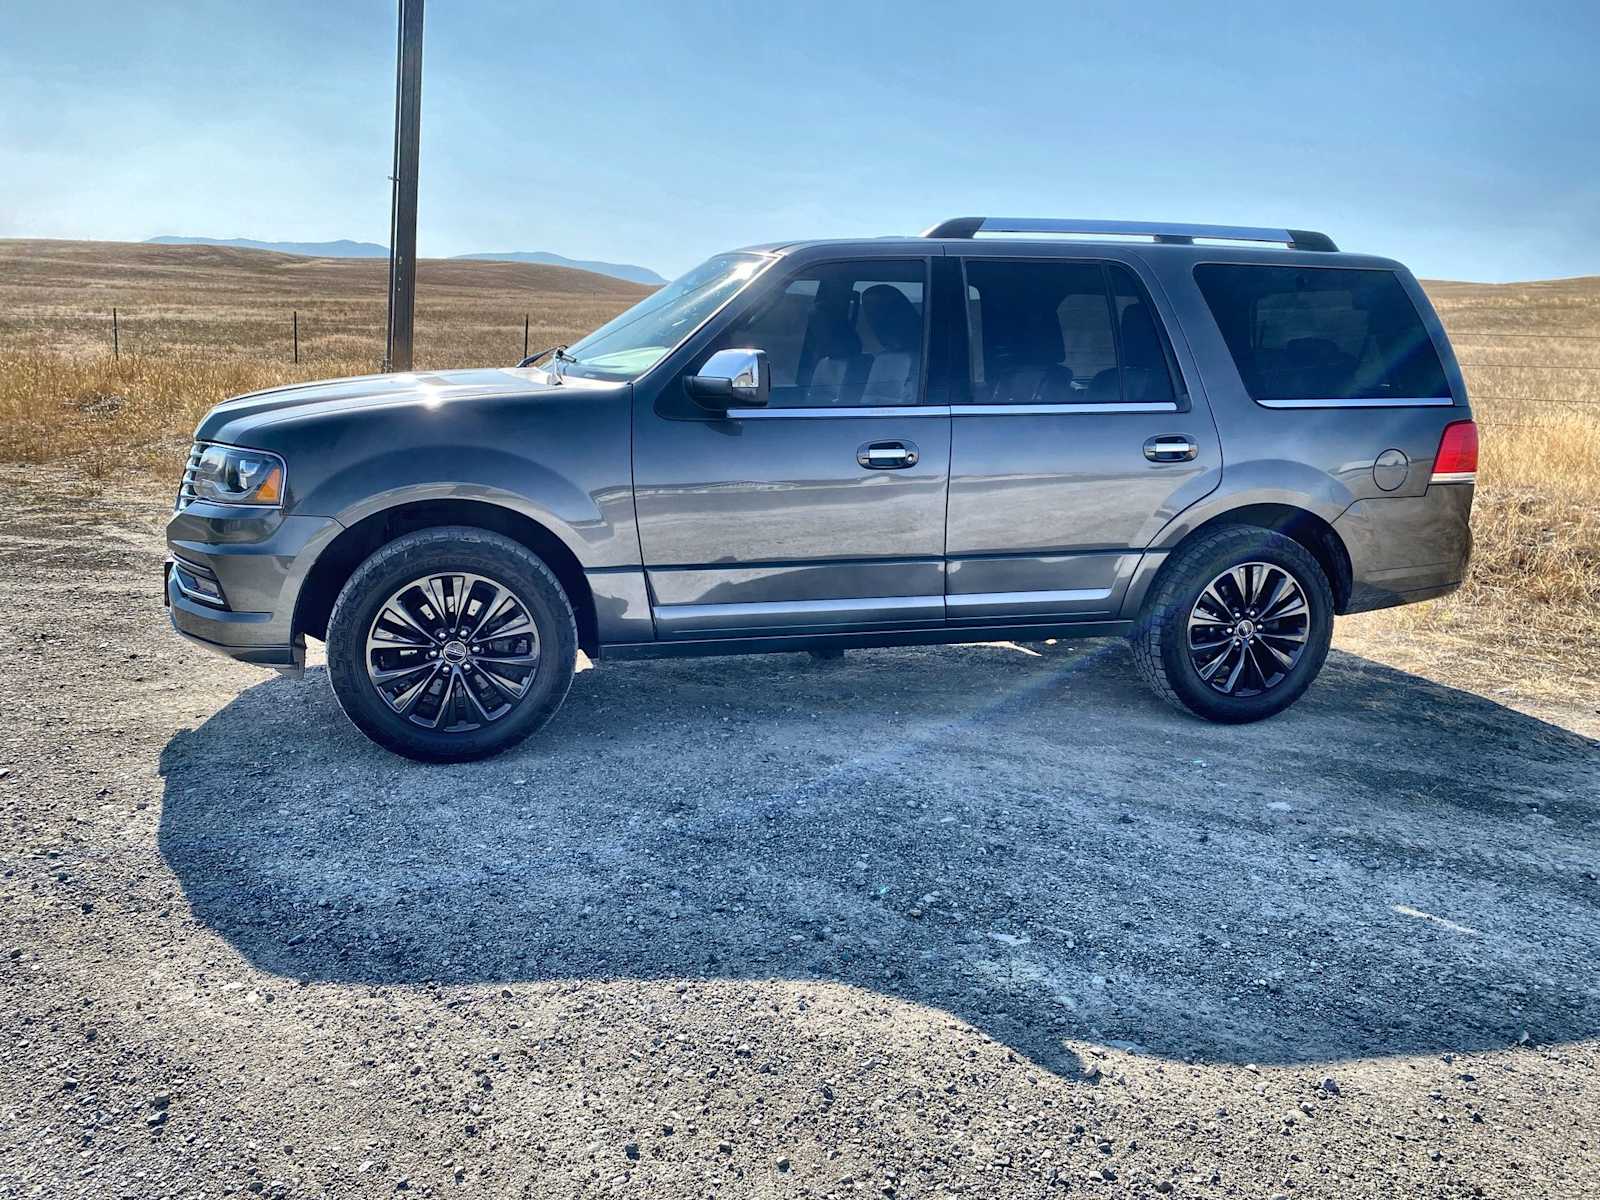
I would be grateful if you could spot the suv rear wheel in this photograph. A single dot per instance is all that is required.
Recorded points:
(451, 644)
(1238, 625)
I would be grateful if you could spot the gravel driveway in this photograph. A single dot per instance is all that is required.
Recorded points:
(976, 921)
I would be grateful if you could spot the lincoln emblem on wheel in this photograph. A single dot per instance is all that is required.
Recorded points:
(1248, 628)
(452, 652)
(1184, 436)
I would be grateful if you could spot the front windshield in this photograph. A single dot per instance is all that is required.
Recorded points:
(629, 345)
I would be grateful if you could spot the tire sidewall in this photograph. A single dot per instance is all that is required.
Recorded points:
(1191, 579)
(441, 551)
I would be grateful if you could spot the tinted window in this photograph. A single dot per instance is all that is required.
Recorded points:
(1322, 333)
(1062, 333)
(1146, 376)
(841, 334)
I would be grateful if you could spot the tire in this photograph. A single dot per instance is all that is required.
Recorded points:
(453, 568)
(1172, 660)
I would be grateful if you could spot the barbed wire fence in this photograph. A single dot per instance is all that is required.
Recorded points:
(1464, 335)
(119, 322)
(1565, 403)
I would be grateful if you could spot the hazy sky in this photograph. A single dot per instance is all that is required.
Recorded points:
(1460, 137)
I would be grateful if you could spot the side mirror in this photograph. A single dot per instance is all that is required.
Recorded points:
(731, 379)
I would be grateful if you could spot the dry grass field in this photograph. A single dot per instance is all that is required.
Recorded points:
(198, 324)
(1530, 613)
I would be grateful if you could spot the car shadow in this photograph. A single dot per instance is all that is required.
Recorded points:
(1022, 838)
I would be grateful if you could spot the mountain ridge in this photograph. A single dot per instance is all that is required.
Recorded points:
(631, 272)
(345, 248)
(342, 248)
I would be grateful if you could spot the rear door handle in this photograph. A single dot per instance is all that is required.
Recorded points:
(1171, 447)
(887, 456)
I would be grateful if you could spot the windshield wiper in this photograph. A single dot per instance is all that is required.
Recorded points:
(559, 351)
(558, 355)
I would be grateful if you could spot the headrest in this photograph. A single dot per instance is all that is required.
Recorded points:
(892, 317)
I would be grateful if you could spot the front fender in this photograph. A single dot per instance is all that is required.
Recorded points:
(594, 522)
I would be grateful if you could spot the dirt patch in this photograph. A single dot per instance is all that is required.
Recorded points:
(979, 921)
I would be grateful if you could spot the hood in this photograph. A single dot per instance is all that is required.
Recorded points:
(234, 420)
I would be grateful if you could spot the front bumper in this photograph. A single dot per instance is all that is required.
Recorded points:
(256, 560)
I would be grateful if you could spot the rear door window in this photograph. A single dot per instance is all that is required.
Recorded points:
(1062, 332)
(1322, 333)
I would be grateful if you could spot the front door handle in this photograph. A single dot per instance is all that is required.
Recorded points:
(1171, 447)
(887, 456)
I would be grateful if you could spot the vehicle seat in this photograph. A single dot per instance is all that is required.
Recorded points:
(897, 325)
(1144, 365)
(1026, 367)
(1309, 366)
(841, 370)
(1104, 388)
(1147, 378)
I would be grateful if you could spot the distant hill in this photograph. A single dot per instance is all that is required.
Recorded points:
(344, 248)
(628, 271)
(231, 303)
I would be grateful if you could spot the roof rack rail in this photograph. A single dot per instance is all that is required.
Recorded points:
(1164, 232)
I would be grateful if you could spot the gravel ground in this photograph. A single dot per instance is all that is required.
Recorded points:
(974, 921)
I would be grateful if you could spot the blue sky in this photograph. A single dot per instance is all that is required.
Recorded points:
(1458, 137)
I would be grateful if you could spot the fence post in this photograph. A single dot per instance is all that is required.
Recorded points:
(297, 335)
(116, 340)
(524, 335)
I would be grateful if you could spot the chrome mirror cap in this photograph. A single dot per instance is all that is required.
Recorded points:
(732, 379)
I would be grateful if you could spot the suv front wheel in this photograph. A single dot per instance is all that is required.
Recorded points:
(1238, 625)
(451, 644)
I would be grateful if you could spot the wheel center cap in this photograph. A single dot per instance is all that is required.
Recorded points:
(454, 651)
(1245, 628)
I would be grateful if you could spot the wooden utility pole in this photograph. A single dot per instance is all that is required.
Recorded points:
(403, 210)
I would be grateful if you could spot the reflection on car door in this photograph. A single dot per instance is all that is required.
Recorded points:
(823, 512)
(1076, 441)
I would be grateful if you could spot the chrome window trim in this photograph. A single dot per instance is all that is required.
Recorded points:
(994, 410)
(1371, 402)
(887, 410)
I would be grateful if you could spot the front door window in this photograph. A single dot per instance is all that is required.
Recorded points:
(842, 335)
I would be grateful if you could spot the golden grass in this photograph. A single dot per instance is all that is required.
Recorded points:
(105, 413)
(1530, 610)
(202, 323)
(198, 324)
(221, 303)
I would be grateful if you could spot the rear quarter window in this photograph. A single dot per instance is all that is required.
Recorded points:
(1322, 333)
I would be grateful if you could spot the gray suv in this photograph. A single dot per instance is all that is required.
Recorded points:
(1208, 440)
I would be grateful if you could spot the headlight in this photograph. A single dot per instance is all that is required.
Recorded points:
(231, 475)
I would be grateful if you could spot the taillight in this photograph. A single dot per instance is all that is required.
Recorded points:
(1457, 460)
